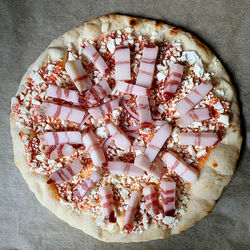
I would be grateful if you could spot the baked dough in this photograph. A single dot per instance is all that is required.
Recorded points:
(211, 181)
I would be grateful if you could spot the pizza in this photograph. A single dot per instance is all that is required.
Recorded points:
(126, 128)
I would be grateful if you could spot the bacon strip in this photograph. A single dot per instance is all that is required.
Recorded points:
(131, 211)
(158, 141)
(63, 112)
(144, 111)
(91, 53)
(147, 66)
(59, 151)
(199, 138)
(122, 168)
(67, 95)
(194, 115)
(168, 197)
(122, 63)
(120, 138)
(87, 184)
(63, 137)
(130, 89)
(152, 204)
(180, 167)
(78, 75)
(97, 92)
(93, 147)
(173, 80)
(66, 173)
(193, 98)
(142, 162)
(104, 109)
(106, 194)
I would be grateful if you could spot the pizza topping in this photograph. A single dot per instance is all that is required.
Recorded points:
(87, 184)
(91, 53)
(122, 63)
(62, 111)
(97, 93)
(144, 111)
(106, 194)
(168, 197)
(93, 147)
(157, 142)
(194, 115)
(78, 75)
(104, 109)
(67, 95)
(147, 66)
(55, 138)
(120, 138)
(152, 203)
(130, 89)
(199, 138)
(131, 211)
(194, 97)
(179, 166)
(59, 151)
(122, 168)
(173, 80)
(66, 173)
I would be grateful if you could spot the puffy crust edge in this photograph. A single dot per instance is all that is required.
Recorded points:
(211, 182)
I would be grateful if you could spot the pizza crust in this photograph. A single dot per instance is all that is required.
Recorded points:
(211, 181)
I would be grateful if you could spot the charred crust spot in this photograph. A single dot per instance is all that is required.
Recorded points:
(133, 22)
(215, 165)
(174, 31)
(158, 23)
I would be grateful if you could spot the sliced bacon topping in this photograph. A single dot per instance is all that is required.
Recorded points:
(142, 162)
(131, 211)
(106, 194)
(199, 138)
(144, 111)
(67, 95)
(97, 92)
(63, 137)
(104, 109)
(193, 98)
(78, 75)
(120, 138)
(130, 89)
(59, 151)
(122, 63)
(194, 115)
(122, 168)
(87, 184)
(158, 141)
(180, 167)
(93, 147)
(168, 197)
(152, 204)
(63, 112)
(147, 66)
(91, 53)
(66, 173)
(173, 80)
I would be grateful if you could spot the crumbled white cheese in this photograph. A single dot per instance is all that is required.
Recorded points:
(201, 153)
(35, 102)
(102, 132)
(168, 220)
(161, 109)
(72, 56)
(111, 46)
(117, 112)
(160, 67)
(198, 68)
(218, 106)
(118, 40)
(190, 56)
(160, 77)
(224, 119)
(35, 76)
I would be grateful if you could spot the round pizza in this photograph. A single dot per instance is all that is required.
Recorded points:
(126, 128)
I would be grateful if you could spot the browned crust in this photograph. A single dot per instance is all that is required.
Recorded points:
(211, 181)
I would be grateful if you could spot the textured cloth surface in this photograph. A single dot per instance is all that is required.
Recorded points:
(27, 27)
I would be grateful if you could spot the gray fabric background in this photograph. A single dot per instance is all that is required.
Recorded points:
(26, 28)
